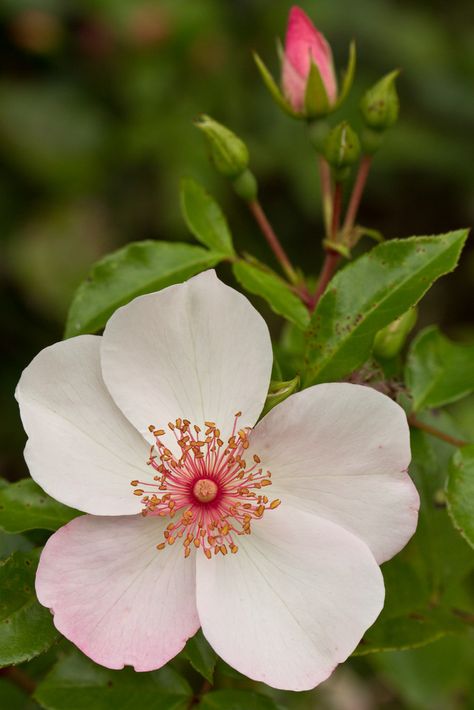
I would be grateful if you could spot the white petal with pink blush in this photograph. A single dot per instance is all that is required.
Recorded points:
(286, 522)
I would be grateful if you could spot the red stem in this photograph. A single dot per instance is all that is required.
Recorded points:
(413, 421)
(358, 189)
(336, 210)
(326, 193)
(331, 261)
(272, 240)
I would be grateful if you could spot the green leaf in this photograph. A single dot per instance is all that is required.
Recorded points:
(13, 543)
(12, 698)
(140, 267)
(425, 582)
(205, 218)
(201, 656)
(25, 506)
(76, 683)
(274, 290)
(26, 627)
(236, 700)
(368, 295)
(438, 371)
(436, 676)
(460, 492)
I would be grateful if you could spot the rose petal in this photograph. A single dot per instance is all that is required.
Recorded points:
(341, 451)
(114, 595)
(305, 43)
(293, 602)
(197, 350)
(81, 449)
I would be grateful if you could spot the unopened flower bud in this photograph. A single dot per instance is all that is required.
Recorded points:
(305, 47)
(229, 153)
(380, 104)
(308, 80)
(342, 147)
(391, 339)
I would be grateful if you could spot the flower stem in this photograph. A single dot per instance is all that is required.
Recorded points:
(272, 240)
(357, 191)
(326, 193)
(331, 261)
(413, 421)
(336, 211)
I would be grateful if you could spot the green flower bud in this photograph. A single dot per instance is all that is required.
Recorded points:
(391, 339)
(229, 154)
(342, 147)
(380, 104)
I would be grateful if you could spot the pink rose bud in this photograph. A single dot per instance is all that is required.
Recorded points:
(305, 44)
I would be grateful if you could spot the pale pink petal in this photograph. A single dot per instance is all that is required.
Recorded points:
(303, 44)
(294, 85)
(81, 449)
(114, 595)
(197, 350)
(293, 602)
(342, 451)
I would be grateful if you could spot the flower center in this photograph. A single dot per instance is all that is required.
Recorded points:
(210, 492)
(205, 490)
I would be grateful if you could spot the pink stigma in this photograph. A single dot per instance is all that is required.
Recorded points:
(210, 490)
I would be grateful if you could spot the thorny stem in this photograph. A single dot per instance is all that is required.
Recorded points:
(413, 421)
(326, 193)
(357, 191)
(19, 678)
(272, 240)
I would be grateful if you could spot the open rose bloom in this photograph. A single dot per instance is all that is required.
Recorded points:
(269, 538)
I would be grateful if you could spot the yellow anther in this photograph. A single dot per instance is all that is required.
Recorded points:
(134, 483)
(161, 546)
(138, 492)
(275, 503)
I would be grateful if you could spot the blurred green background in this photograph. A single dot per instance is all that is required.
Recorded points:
(97, 99)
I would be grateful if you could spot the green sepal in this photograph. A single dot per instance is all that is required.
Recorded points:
(341, 249)
(348, 78)
(274, 89)
(316, 100)
(279, 391)
(342, 147)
